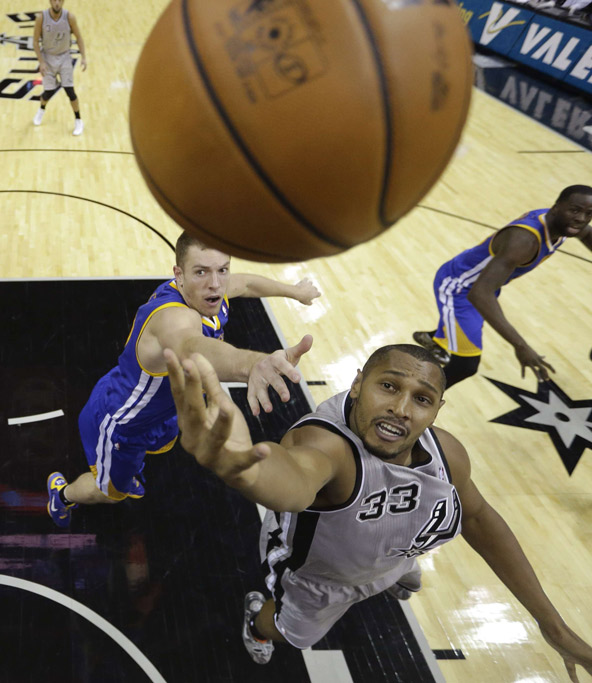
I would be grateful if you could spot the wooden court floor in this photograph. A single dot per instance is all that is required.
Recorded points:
(78, 207)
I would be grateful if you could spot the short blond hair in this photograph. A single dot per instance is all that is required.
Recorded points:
(183, 244)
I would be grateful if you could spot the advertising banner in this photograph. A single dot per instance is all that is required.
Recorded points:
(554, 47)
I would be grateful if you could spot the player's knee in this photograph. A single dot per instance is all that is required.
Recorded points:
(46, 95)
(460, 367)
(70, 92)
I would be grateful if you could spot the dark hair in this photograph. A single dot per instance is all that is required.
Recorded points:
(573, 189)
(412, 350)
(182, 246)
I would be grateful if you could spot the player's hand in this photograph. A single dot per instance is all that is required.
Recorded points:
(529, 358)
(571, 647)
(83, 63)
(212, 429)
(306, 292)
(268, 371)
(42, 68)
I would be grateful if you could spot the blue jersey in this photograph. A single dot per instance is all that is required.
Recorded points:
(132, 397)
(462, 271)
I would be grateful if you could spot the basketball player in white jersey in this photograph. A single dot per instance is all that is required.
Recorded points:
(355, 492)
(51, 42)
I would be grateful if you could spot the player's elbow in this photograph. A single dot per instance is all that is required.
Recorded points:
(473, 296)
(477, 297)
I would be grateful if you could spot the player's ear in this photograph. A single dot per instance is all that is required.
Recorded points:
(356, 384)
(442, 402)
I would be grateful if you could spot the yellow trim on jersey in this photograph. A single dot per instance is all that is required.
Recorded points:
(173, 284)
(534, 231)
(214, 322)
(114, 494)
(170, 304)
(466, 348)
(550, 246)
(132, 329)
(546, 231)
(164, 449)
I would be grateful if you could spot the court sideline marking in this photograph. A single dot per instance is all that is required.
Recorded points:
(123, 641)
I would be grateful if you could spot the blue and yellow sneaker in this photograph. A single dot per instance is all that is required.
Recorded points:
(60, 513)
(136, 489)
(425, 339)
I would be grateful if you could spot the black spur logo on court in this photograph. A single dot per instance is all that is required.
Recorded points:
(568, 422)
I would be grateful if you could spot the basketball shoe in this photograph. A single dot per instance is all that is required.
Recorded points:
(260, 650)
(60, 513)
(136, 489)
(38, 117)
(425, 339)
(78, 127)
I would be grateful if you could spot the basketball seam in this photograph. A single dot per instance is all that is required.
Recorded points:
(190, 221)
(387, 111)
(454, 139)
(249, 156)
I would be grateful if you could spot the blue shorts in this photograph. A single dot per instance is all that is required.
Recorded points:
(460, 327)
(115, 458)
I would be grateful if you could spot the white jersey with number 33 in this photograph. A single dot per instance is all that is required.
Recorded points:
(394, 514)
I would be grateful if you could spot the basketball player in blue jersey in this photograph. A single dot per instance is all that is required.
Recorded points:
(355, 492)
(51, 42)
(468, 286)
(131, 411)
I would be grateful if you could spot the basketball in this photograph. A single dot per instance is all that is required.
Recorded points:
(283, 130)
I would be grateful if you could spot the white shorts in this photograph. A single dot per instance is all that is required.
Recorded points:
(58, 65)
(306, 610)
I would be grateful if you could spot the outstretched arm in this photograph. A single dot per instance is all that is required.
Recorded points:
(180, 329)
(280, 477)
(79, 40)
(249, 285)
(514, 247)
(489, 535)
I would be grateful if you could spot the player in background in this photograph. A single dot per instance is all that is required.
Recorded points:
(51, 42)
(468, 286)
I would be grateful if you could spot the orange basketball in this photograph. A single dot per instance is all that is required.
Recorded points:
(282, 130)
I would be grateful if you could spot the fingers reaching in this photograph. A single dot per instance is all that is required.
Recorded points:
(295, 353)
(547, 365)
(209, 379)
(540, 369)
(258, 396)
(307, 291)
(176, 377)
(269, 372)
(195, 405)
(571, 671)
